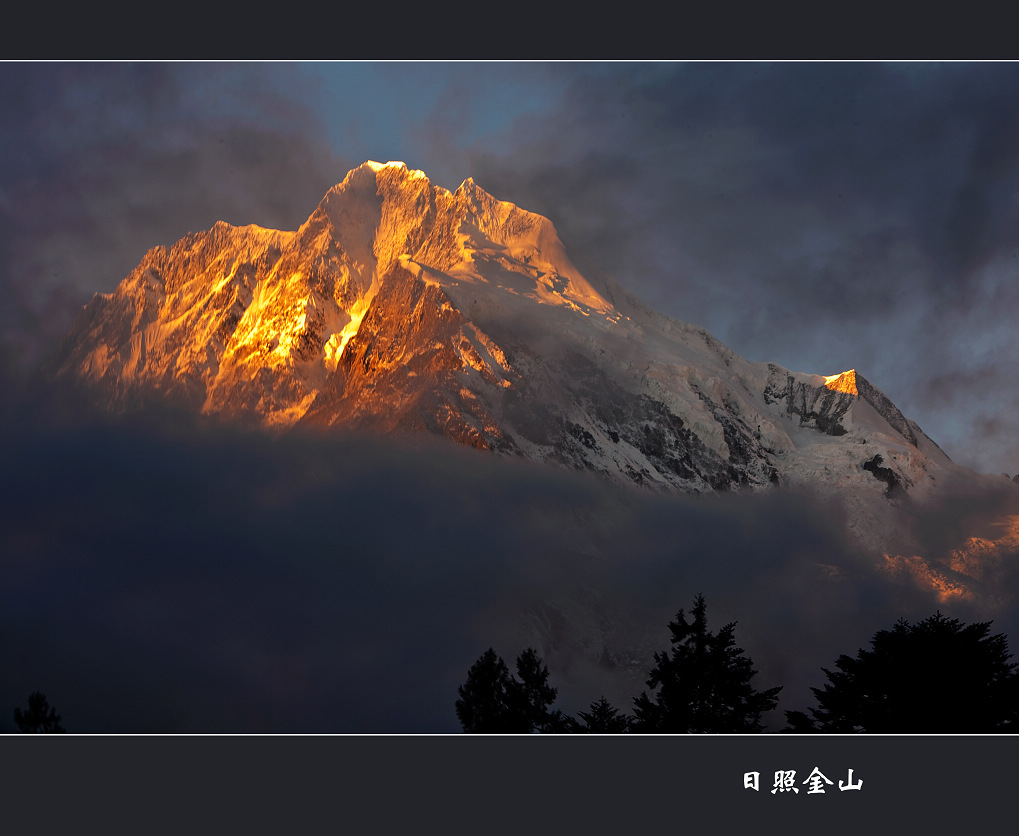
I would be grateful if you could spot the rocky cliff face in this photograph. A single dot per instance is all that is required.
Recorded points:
(399, 306)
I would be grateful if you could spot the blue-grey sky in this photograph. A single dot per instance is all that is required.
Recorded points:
(823, 216)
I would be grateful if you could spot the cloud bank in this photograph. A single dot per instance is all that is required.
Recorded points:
(163, 577)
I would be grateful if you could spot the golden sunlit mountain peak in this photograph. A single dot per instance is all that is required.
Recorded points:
(377, 166)
(844, 382)
(399, 306)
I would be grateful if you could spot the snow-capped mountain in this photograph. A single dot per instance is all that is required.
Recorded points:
(400, 306)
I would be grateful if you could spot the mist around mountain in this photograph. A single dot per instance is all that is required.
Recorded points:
(236, 547)
(216, 579)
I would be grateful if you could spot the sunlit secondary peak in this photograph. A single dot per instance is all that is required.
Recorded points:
(844, 382)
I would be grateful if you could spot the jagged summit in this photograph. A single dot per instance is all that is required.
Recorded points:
(399, 306)
(377, 167)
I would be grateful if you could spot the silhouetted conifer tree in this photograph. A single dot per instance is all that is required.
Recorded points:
(702, 685)
(40, 718)
(494, 701)
(936, 676)
(535, 695)
(603, 718)
(484, 703)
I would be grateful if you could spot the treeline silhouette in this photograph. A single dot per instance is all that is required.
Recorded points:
(39, 718)
(937, 676)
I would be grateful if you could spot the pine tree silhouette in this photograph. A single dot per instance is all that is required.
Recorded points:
(603, 718)
(534, 695)
(493, 701)
(40, 718)
(702, 685)
(936, 676)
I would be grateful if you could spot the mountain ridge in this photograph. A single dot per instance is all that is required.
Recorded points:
(400, 306)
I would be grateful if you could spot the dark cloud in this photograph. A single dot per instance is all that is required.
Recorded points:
(182, 578)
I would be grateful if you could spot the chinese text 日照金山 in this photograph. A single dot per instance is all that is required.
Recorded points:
(815, 783)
